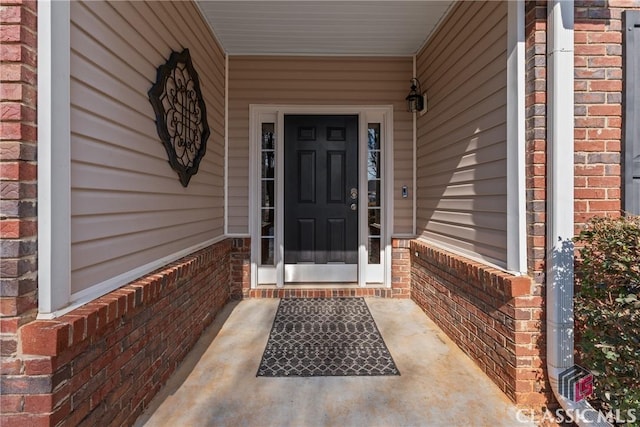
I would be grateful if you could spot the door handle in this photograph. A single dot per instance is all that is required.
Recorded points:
(354, 206)
(354, 193)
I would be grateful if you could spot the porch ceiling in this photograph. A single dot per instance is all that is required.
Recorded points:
(327, 27)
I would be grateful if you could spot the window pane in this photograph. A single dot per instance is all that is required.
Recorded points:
(268, 137)
(267, 251)
(267, 222)
(374, 193)
(374, 222)
(374, 136)
(268, 164)
(268, 198)
(373, 165)
(374, 250)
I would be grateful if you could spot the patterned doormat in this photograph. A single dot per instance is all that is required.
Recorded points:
(325, 337)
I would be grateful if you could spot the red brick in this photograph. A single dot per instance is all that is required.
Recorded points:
(614, 122)
(9, 325)
(10, 111)
(10, 14)
(22, 420)
(38, 366)
(523, 338)
(624, 4)
(44, 338)
(10, 171)
(604, 205)
(605, 85)
(11, 52)
(589, 26)
(18, 170)
(589, 193)
(17, 228)
(603, 181)
(604, 110)
(520, 286)
(532, 400)
(613, 146)
(78, 327)
(604, 134)
(10, 33)
(605, 61)
(11, 91)
(589, 145)
(590, 122)
(8, 306)
(590, 97)
(21, 384)
(613, 193)
(580, 205)
(61, 412)
(590, 49)
(605, 37)
(38, 403)
(589, 170)
(11, 403)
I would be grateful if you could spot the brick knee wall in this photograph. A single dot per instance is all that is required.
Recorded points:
(240, 267)
(491, 315)
(102, 363)
(401, 268)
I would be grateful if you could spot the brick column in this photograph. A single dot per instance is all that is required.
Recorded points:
(18, 225)
(530, 346)
(240, 280)
(401, 268)
(598, 110)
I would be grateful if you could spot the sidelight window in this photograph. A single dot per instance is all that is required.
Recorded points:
(267, 195)
(374, 187)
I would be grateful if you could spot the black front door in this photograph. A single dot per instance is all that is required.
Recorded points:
(321, 198)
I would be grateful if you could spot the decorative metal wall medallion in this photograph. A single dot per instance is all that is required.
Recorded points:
(181, 114)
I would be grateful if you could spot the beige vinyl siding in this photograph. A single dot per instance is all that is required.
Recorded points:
(461, 155)
(317, 81)
(128, 207)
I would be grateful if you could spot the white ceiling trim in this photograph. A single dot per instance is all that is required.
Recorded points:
(323, 27)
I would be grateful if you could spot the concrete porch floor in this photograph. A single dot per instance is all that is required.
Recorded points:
(439, 385)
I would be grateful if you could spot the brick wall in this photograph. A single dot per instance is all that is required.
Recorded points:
(240, 267)
(535, 111)
(18, 227)
(531, 363)
(101, 364)
(598, 110)
(489, 314)
(401, 268)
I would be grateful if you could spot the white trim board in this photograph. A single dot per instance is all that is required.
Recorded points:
(54, 156)
(96, 291)
(516, 138)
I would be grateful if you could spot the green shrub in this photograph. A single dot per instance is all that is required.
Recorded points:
(607, 310)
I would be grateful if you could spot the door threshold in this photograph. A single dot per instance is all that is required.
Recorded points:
(320, 290)
(323, 285)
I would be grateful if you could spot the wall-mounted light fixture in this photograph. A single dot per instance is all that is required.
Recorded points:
(415, 99)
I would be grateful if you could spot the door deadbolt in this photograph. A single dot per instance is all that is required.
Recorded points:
(354, 193)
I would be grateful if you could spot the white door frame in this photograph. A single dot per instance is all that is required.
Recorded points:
(380, 274)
